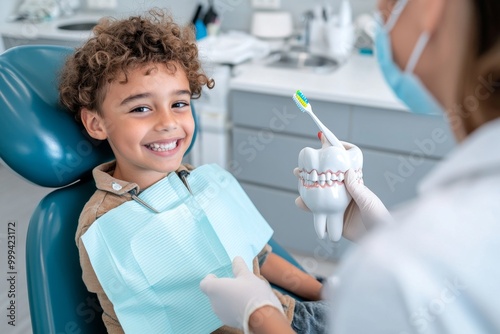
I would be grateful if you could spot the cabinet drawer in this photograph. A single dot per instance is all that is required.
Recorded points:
(394, 177)
(401, 131)
(279, 114)
(293, 227)
(267, 158)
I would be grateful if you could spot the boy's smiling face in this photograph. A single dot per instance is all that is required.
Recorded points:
(147, 121)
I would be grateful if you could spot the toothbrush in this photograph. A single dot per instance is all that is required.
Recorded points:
(303, 103)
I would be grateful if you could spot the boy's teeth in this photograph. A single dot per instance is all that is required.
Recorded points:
(163, 147)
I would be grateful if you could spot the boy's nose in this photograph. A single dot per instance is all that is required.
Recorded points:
(166, 120)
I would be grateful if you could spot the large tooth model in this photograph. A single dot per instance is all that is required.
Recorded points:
(321, 176)
(321, 184)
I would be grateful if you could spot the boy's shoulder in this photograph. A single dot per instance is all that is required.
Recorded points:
(110, 193)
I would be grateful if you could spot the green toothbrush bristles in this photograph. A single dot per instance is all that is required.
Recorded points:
(302, 97)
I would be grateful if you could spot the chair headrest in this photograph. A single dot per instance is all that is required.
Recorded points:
(38, 139)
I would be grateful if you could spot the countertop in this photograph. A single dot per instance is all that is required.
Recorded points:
(357, 82)
(49, 29)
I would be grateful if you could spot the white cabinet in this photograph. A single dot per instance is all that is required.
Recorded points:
(269, 131)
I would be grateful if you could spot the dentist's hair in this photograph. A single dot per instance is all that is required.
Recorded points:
(121, 45)
(483, 68)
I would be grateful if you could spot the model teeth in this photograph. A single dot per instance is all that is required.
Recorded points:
(162, 147)
(315, 179)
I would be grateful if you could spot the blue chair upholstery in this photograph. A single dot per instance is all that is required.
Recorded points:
(35, 130)
(43, 144)
(59, 301)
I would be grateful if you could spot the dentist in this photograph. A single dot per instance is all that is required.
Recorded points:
(436, 268)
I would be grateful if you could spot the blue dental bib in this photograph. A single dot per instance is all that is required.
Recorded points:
(150, 264)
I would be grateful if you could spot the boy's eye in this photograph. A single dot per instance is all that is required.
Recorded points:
(140, 109)
(180, 104)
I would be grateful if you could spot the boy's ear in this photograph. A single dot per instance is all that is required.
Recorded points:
(94, 124)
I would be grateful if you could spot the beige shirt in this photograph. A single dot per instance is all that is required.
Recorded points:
(107, 198)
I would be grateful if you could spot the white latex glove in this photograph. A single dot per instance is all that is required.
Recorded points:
(365, 211)
(235, 299)
(371, 210)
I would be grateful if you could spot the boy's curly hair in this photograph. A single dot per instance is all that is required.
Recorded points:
(121, 45)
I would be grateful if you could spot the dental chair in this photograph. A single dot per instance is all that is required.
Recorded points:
(42, 143)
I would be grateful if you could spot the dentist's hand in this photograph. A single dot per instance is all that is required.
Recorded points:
(235, 299)
(365, 212)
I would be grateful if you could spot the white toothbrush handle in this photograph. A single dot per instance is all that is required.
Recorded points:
(329, 135)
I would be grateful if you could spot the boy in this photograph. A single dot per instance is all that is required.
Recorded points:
(131, 84)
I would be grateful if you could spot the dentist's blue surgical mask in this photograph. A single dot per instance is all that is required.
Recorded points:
(405, 84)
